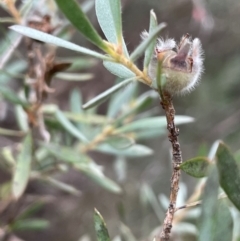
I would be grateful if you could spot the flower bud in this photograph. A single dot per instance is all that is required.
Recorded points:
(181, 64)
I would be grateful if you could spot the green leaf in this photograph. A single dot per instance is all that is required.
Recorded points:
(223, 222)
(76, 104)
(150, 49)
(133, 151)
(118, 101)
(100, 227)
(94, 171)
(137, 105)
(74, 76)
(126, 233)
(23, 167)
(109, 17)
(118, 70)
(48, 38)
(12, 97)
(69, 127)
(66, 154)
(153, 123)
(62, 186)
(196, 167)
(78, 63)
(30, 224)
(7, 47)
(79, 20)
(8, 132)
(105, 95)
(148, 134)
(229, 174)
(21, 118)
(146, 42)
(31, 209)
(210, 196)
(148, 196)
(12, 70)
(86, 118)
(120, 142)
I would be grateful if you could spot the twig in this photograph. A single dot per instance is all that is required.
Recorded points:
(167, 105)
(197, 203)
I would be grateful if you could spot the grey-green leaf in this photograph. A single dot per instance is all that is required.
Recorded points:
(145, 43)
(206, 224)
(109, 17)
(65, 153)
(62, 186)
(196, 167)
(69, 127)
(223, 228)
(118, 70)
(118, 101)
(150, 49)
(94, 171)
(100, 227)
(133, 151)
(79, 20)
(74, 76)
(23, 167)
(229, 174)
(48, 38)
(153, 123)
(120, 142)
(30, 224)
(105, 95)
(12, 97)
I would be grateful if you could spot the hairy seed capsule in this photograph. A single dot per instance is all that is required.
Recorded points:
(182, 64)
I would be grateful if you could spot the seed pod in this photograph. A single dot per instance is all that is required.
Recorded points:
(182, 65)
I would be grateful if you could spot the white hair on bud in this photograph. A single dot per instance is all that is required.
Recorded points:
(197, 68)
(163, 45)
(144, 34)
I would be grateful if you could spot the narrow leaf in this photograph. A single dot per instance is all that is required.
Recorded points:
(79, 20)
(100, 227)
(118, 70)
(118, 101)
(74, 76)
(12, 97)
(150, 49)
(69, 127)
(8, 132)
(109, 17)
(23, 167)
(47, 38)
(145, 43)
(153, 123)
(229, 174)
(30, 224)
(62, 186)
(196, 167)
(94, 171)
(223, 221)
(133, 151)
(210, 196)
(120, 142)
(76, 104)
(105, 95)
(66, 154)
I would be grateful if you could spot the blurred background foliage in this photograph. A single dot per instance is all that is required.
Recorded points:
(56, 214)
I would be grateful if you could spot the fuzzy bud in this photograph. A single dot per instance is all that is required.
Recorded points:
(182, 64)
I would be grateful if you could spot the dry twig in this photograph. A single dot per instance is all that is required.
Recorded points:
(167, 105)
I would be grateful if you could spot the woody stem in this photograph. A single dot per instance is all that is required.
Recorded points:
(173, 133)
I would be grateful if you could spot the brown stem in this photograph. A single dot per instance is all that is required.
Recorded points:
(167, 105)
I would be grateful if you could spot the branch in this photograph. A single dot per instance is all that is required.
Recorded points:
(167, 105)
